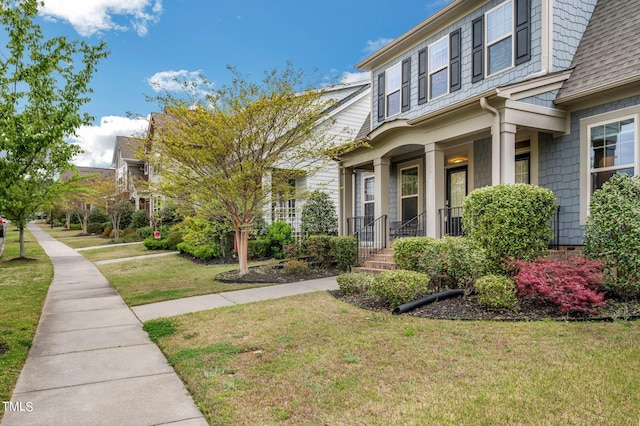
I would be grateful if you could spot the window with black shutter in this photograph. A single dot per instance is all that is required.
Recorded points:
(381, 108)
(406, 84)
(422, 76)
(477, 67)
(454, 64)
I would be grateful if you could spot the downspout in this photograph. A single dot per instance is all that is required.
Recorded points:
(495, 141)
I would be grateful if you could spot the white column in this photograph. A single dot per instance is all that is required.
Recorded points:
(345, 200)
(507, 153)
(435, 187)
(381, 171)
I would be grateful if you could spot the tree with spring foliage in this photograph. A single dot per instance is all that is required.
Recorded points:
(43, 85)
(225, 145)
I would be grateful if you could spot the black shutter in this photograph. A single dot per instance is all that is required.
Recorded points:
(523, 31)
(422, 76)
(381, 97)
(406, 84)
(454, 63)
(477, 71)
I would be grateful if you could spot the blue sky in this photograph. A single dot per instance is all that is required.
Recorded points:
(151, 40)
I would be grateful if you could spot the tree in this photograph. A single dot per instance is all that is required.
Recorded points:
(103, 190)
(225, 145)
(319, 215)
(43, 85)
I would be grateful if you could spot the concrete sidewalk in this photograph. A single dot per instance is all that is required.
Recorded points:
(211, 301)
(91, 363)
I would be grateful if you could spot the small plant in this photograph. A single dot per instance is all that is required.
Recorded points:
(105, 233)
(351, 358)
(570, 284)
(354, 283)
(295, 267)
(454, 260)
(153, 244)
(408, 251)
(201, 252)
(278, 236)
(318, 248)
(497, 292)
(399, 286)
(144, 232)
(158, 329)
(344, 250)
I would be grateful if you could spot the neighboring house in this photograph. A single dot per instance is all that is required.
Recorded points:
(350, 106)
(483, 92)
(131, 173)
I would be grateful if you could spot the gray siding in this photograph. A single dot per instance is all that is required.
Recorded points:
(570, 19)
(482, 163)
(559, 168)
(543, 99)
(512, 75)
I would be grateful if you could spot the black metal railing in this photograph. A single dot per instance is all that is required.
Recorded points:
(371, 234)
(415, 227)
(450, 222)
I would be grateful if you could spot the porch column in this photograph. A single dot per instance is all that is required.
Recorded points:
(434, 188)
(345, 201)
(381, 171)
(507, 153)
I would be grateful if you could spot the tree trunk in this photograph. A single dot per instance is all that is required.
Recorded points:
(21, 242)
(85, 221)
(67, 223)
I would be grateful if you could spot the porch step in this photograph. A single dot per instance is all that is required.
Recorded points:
(377, 263)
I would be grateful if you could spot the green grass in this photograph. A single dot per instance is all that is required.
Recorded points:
(74, 239)
(165, 278)
(118, 252)
(312, 359)
(23, 287)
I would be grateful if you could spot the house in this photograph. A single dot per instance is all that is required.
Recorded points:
(131, 173)
(483, 92)
(350, 105)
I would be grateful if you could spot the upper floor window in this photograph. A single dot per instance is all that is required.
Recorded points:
(392, 90)
(439, 68)
(499, 42)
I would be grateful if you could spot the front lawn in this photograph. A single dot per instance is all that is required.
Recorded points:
(23, 287)
(313, 359)
(118, 252)
(157, 279)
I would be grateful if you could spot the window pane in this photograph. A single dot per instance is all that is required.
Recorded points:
(522, 170)
(439, 84)
(393, 104)
(500, 56)
(369, 189)
(499, 23)
(393, 79)
(439, 55)
(613, 144)
(410, 181)
(409, 208)
(599, 178)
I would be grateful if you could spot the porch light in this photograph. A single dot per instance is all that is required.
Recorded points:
(457, 160)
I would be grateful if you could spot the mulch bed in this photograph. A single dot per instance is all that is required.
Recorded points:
(274, 274)
(468, 308)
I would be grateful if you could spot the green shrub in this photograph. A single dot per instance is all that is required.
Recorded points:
(354, 283)
(278, 235)
(200, 252)
(408, 251)
(258, 248)
(497, 292)
(106, 232)
(95, 228)
(509, 221)
(455, 259)
(398, 287)
(97, 216)
(318, 247)
(152, 244)
(344, 250)
(75, 227)
(294, 267)
(319, 215)
(145, 232)
(129, 234)
(613, 233)
(174, 238)
(139, 220)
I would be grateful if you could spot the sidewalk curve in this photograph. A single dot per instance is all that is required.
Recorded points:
(91, 363)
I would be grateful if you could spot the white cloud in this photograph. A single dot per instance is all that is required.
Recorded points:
(354, 77)
(375, 45)
(98, 141)
(96, 16)
(174, 81)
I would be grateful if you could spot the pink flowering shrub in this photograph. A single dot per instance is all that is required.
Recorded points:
(570, 284)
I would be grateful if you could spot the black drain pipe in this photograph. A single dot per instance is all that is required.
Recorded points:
(426, 300)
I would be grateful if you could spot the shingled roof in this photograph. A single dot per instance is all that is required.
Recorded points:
(128, 146)
(608, 54)
(83, 171)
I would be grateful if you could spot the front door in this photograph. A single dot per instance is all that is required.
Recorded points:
(456, 193)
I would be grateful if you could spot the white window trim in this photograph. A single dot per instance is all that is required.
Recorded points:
(446, 66)
(387, 94)
(585, 150)
(405, 166)
(364, 177)
(486, 41)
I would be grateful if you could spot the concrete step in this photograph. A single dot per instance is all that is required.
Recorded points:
(371, 271)
(379, 264)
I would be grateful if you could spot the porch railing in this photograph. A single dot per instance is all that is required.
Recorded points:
(450, 222)
(415, 227)
(371, 234)
(555, 226)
